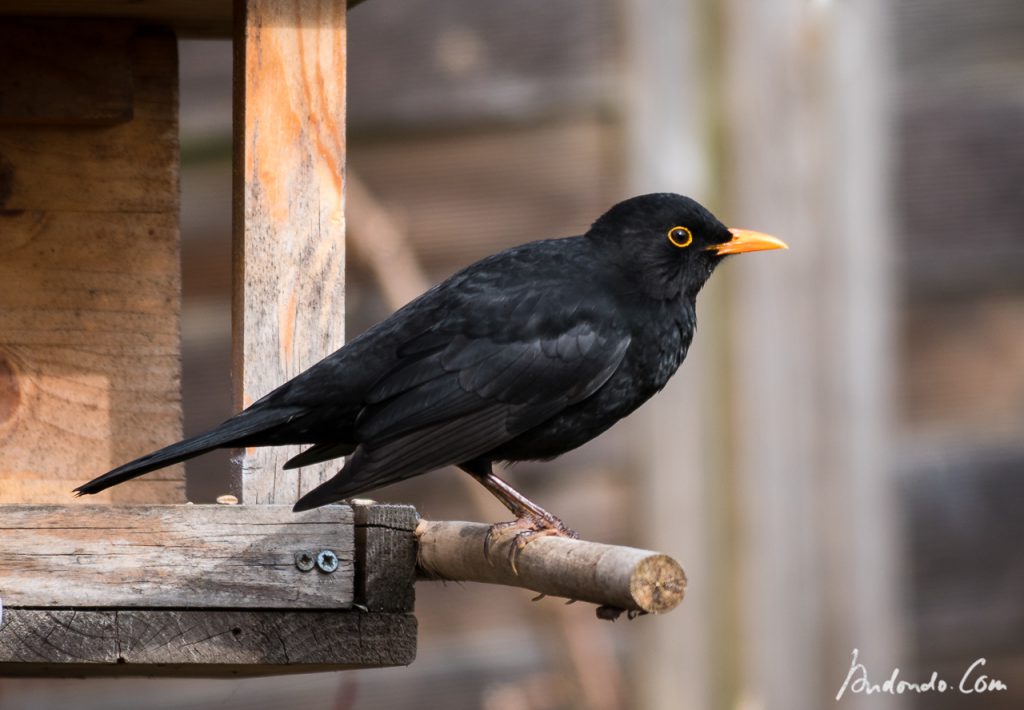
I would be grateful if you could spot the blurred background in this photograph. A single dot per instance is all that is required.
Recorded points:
(838, 464)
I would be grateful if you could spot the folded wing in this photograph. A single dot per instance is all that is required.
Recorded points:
(457, 401)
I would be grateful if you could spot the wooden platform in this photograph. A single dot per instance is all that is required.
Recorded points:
(205, 590)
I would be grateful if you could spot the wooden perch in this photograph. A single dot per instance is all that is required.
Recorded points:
(615, 578)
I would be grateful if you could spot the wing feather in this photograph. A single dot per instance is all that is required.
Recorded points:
(461, 402)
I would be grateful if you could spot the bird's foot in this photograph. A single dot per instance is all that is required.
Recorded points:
(525, 530)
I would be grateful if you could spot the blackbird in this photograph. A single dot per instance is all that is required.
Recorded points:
(523, 355)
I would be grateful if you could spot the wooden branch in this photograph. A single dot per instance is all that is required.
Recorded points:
(616, 578)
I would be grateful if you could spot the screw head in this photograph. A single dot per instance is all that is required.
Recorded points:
(304, 561)
(327, 561)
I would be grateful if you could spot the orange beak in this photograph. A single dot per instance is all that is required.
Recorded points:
(746, 240)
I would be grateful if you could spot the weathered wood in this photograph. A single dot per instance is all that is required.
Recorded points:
(205, 18)
(189, 18)
(199, 643)
(385, 557)
(289, 212)
(90, 284)
(87, 82)
(623, 578)
(195, 556)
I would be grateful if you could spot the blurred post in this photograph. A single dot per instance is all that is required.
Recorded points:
(668, 149)
(806, 112)
(766, 456)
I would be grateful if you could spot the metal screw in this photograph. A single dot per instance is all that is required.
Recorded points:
(304, 561)
(327, 561)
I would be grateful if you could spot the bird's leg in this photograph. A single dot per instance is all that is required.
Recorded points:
(532, 521)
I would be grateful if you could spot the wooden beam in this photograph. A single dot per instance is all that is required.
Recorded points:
(88, 82)
(89, 269)
(190, 590)
(616, 578)
(178, 556)
(289, 222)
(385, 557)
(82, 643)
(189, 18)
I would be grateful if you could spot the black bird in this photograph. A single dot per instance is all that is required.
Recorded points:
(525, 354)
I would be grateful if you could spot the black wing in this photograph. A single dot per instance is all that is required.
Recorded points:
(462, 396)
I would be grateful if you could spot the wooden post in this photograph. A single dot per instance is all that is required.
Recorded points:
(669, 116)
(806, 118)
(289, 223)
(89, 352)
(89, 275)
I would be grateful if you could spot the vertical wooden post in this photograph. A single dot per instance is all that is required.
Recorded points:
(669, 149)
(289, 222)
(89, 257)
(806, 87)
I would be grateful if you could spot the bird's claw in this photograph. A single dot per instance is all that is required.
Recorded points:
(528, 528)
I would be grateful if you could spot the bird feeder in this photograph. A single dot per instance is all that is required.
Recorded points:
(90, 353)
(146, 584)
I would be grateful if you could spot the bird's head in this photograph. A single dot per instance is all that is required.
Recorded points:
(670, 243)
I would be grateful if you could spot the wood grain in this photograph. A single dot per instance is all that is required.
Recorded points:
(87, 82)
(385, 557)
(193, 556)
(55, 643)
(622, 578)
(89, 279)
(289, 222)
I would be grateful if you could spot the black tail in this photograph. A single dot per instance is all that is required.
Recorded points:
(233, 432)
(360, 474)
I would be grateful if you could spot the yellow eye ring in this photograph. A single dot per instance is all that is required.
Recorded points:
(680, 236)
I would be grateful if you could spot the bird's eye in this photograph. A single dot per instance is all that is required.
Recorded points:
(680, 236)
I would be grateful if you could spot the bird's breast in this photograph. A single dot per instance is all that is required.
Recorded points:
(656, 350)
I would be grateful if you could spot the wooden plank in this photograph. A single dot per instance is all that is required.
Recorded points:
(197, 18)
(87, 82)
(89, 279)
(289, 222)
(189, 18)
(385, 557)
(175, 556)
(83, 643)
(128, 168)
